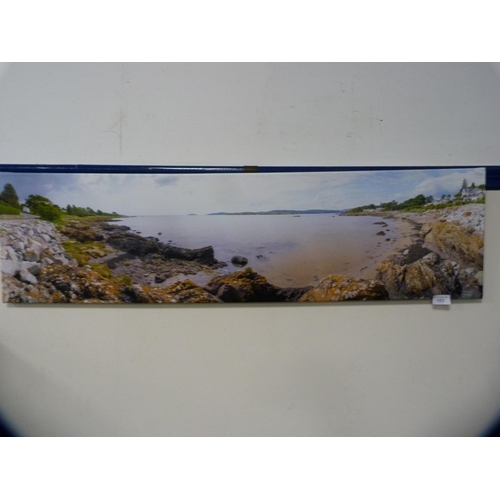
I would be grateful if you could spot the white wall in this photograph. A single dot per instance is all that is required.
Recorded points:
(329, 370)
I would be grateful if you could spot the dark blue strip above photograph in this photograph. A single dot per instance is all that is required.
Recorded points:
(492, 171)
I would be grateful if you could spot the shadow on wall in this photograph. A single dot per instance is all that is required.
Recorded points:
(494, 429)
(5, 429)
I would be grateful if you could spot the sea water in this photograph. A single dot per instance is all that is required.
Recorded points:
(289, 250)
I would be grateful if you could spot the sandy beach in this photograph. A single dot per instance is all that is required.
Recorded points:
(407, 235)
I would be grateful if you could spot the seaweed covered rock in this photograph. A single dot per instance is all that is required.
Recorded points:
(81, 232)
(248, 286)
(15, 291)
(336, 288)
(80, 284)
(58, 284)
(181, 292)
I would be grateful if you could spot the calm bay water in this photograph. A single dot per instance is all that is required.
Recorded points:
(288, 250)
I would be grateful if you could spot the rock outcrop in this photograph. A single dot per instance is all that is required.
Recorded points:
(145, 259)
(431, 275)
(63, 284)
(455, 242)
(81, 284)
(81, 232)
(185, 292)
(120, 238)
(36, 267)
(335, 288)
(134, 244)
(248, 286)
(446, 256)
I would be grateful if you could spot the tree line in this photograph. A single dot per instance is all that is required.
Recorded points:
(41, 206)
(85, 212)
(9, 201)
(418, 201)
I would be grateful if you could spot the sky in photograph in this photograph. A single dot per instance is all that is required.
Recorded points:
(172, 194)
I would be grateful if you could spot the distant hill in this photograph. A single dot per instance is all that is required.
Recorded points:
(282, 212)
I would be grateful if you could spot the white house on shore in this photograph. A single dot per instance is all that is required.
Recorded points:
(471, 194)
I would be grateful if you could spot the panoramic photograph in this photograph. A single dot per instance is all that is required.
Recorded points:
(404, 234)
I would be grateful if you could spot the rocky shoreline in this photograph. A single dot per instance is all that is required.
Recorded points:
(442, 255)
(440, 252)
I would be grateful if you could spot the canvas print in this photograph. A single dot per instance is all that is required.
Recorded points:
(230, 237)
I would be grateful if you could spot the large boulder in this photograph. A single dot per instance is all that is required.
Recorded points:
(203, 255)
(248, 286)
(185, 292)
(335, 288)
(31, 255)
(25, 276)
(9, 267)
(423, 278)
(81, 232)
(239, 260)
(10, 253)
(454, 242)
(33, 267)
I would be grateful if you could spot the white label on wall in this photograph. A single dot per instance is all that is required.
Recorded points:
(441, 300)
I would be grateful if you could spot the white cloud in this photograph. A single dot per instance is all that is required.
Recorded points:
(449, 182)
(147, 194)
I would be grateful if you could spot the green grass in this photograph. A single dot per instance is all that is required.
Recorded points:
(122, 279)
(80, 251)
(105, 272)
(65, 218)
(8, 210)
(89, 218)
(102, 269)
(439, 206)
